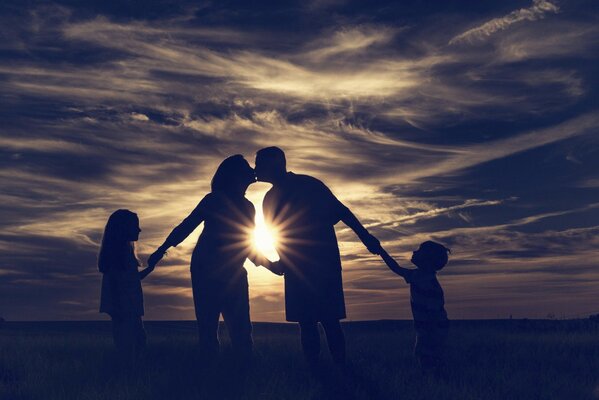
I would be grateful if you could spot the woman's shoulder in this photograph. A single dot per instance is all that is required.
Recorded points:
(211, 199)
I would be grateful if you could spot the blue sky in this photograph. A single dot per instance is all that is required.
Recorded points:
(473, 124)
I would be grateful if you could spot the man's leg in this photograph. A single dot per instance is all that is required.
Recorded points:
(310, 338)
(335, 340)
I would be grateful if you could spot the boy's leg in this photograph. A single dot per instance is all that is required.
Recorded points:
(310, 338)
(429, 348)
(422, 348)
(335, 340)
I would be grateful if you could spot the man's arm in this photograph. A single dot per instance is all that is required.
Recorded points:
(372, 244)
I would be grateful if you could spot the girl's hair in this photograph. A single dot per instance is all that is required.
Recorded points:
(229, 174)
(117, 250)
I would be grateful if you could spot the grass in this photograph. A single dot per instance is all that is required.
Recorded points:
(486, 360)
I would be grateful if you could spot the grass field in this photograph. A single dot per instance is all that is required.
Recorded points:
(486, 360)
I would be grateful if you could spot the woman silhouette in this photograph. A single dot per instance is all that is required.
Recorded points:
(218, 278)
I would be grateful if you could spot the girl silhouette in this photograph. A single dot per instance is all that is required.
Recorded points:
(121, 295)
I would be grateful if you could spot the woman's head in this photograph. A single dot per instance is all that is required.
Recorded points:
(233, 175)
(117, 249)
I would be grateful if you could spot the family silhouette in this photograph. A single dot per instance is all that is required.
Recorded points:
(303, 211)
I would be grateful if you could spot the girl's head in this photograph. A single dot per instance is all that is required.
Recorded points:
(233, 176)
(431, 256)
(117, 249)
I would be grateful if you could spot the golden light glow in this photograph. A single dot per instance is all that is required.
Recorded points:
(264, 238)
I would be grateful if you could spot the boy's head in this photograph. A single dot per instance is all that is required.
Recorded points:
(430, 256)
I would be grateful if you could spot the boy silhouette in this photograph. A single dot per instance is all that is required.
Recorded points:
(427, 301)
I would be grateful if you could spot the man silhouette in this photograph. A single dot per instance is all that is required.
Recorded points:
(303, 211)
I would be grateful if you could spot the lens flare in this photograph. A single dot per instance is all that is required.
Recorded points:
(264, 238)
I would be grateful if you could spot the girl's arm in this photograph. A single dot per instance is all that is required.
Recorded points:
(145, 272)
(393, 265)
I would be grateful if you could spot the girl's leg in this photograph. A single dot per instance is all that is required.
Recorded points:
(310, 338)
(335, 340)
(124, 335)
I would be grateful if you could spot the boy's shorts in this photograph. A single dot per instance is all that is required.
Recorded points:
(431, 338)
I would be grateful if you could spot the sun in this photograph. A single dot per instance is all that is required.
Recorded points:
(264, 239)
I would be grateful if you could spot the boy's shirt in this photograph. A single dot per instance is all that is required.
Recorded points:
(426, 296)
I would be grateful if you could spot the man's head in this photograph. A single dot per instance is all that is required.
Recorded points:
(270, 164)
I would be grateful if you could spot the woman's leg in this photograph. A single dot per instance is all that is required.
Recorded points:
(236, 313)
(310, 338)
(140, 337)
(207, 310)
(335, 340)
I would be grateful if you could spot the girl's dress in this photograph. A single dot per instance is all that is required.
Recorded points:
(122, 299)
(122, 296)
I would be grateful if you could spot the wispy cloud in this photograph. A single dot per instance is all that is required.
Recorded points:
(489, 149)
(537, 11)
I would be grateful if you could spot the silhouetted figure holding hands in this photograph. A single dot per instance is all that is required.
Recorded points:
(122, 296)
(427, 301)
(219, 280)
(303, 211)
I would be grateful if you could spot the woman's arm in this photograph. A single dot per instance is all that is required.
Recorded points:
(181, 231)
(254, 255)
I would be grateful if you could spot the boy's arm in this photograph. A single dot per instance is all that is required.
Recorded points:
(393, 265)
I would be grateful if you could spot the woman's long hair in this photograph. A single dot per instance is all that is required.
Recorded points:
(231, 174)
(117, 250)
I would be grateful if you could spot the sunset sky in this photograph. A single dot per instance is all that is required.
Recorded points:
(471, 123)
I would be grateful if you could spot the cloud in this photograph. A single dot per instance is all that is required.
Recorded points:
(537, 11)
(349, 41)
(468, 145)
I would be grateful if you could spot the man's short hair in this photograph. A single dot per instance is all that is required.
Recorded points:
(273, 155)
(436, 253)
